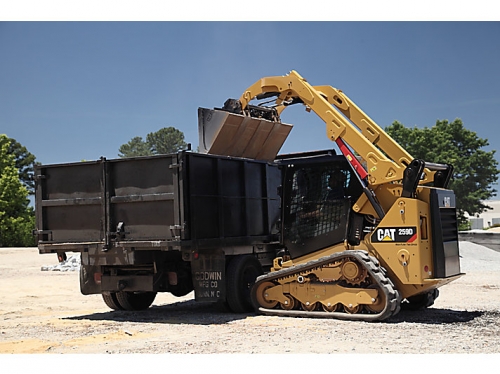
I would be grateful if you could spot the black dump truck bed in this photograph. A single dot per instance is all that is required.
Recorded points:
(168, 202)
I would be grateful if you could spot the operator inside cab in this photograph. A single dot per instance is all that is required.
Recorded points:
(336, 185)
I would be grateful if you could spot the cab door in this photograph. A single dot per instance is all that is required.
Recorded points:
(312, 221)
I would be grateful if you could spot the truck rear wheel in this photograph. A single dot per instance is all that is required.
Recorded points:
(241, 274)
(184, 284)
(135, 300)
(111, 300)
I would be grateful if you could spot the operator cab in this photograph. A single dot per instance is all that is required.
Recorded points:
(318, 191)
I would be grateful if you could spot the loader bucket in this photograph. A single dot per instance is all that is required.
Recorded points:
(228, 134)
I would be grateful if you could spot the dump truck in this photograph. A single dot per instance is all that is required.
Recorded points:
(356, 233)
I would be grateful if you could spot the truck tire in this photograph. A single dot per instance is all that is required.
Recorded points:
(111, 300)
(241, 274)
(182, 290)
(135, 300)
(184, 284)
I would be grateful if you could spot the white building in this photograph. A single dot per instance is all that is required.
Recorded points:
(488, 218)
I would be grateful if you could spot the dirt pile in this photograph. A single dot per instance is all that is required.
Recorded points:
(72, 263)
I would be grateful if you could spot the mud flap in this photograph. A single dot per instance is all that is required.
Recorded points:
(88, 280)
(209, 276)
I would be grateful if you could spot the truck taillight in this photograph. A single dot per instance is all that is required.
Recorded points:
(61, 256)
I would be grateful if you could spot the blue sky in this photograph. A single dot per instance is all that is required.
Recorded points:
(78, 90)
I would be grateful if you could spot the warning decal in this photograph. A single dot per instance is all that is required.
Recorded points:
(394, 235)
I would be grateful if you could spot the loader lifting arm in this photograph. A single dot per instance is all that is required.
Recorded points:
(385, 160)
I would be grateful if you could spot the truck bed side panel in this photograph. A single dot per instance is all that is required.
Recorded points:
(141, 197)
(233, 199)
(69, 202)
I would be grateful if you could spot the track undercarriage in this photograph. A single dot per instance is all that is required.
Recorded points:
(347, 285)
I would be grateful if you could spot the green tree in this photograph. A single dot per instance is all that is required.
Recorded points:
(25, 162)
(475, 170)
(164, 141)
(134, 148)
(17, 219)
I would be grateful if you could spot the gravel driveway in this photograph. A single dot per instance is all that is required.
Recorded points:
(44, 312)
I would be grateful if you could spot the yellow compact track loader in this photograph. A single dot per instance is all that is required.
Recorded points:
(389, 241)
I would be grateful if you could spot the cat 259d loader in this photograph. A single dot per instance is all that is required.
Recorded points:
(388, 243)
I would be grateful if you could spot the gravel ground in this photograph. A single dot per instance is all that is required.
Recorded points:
(44, 312)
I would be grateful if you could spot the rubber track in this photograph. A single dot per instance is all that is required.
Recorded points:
(377, 273)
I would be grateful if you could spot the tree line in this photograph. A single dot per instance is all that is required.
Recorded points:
(475, 170)
(17, 218)
(164, 141)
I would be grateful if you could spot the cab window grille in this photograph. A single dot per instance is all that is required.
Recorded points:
(316, 205)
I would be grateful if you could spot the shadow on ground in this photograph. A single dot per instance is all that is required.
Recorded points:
(433, 316)
(192, 312)
(184, 312)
